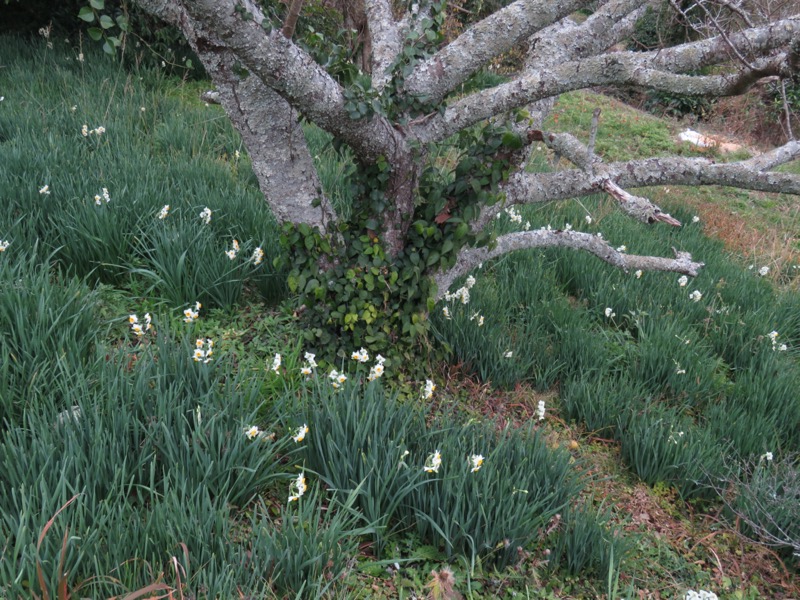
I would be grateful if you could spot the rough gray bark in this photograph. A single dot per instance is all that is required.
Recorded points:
(549, 238)
(269, 126)
(479, 44)
(285, 82)
(385, 39)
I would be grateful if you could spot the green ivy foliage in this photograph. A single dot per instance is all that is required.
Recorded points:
(353, 291)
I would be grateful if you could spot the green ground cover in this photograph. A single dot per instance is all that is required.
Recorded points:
(139, 461)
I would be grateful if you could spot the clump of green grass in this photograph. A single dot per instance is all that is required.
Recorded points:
(49, 332)
(587, 540)
(143, 436)
(143, 149)
(467, 489)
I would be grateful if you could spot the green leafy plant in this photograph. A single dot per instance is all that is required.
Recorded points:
(766, 496)
(49, 332)
(313, 547)
(586, 540)
(485, 510)
(360, 440)
(662, 446)
(103, 25)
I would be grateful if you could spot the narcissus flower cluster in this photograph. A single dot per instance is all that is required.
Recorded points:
(137, 327)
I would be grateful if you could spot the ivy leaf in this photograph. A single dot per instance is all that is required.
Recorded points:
(86, 14)
(106, 22)
(95, 33)
(98, 4)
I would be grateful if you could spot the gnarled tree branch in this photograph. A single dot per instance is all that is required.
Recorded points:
(386, 43)
(434, 78)
(616, 68)
(551, 238)
(293, 74)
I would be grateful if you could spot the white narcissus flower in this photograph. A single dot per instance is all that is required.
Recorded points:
(205, 215)
(310, 360)
(638, 274)
(683, 280)
(427, 392)
(45, 190)
(540, 410)
(4, 245)
(433, 462)
(252, 432)
(695, 296)
(446, 313)
(203, 349)
(162, 214)
(695, 219)
(376, 372)
(298, 488)
(763, 271)
(476, 462)
(276, 363)
(301, 433)
(360, 355)
(231, 254)
(609, 312)
(588, 219)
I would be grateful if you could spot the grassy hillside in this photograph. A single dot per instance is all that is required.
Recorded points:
(158, 434)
